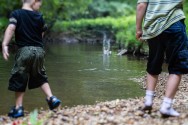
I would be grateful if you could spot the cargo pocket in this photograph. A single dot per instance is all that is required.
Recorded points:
(182, 61)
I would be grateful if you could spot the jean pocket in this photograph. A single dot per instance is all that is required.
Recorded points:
(175, 28)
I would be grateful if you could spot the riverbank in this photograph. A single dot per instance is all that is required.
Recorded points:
(114, 112)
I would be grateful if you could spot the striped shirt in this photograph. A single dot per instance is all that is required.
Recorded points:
(161, 14)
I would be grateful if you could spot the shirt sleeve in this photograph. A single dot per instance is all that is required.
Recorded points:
(13, 18)
(142, 1)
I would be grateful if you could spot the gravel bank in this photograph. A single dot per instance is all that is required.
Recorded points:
(116, 112)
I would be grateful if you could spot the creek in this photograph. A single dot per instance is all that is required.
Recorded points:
(79, 74)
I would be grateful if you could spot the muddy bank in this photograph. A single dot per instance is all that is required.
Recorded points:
(90, 37)
(116, 112)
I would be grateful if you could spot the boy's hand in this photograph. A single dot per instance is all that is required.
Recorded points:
(139, 35)
(5, 52)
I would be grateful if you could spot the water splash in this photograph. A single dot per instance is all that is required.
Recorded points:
(106, 45)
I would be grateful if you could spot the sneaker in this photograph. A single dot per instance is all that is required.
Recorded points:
(15, 113)
(53, 103)
(169, 112)
(147, 109)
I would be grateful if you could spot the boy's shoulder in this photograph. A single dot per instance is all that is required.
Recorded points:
(26, 14)
(15, 11)
(21, 11)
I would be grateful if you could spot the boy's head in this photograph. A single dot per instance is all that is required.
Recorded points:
(34, 4)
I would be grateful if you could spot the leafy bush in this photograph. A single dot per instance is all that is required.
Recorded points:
(186, 12)
(103, 8)
(3, 24)
(123, 28)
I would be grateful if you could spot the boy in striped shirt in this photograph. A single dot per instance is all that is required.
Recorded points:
(165, 32)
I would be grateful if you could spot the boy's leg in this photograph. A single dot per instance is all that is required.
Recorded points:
(39, 77)
(19, 99)
(172, 86)
(176, 54)
(17, 110)
(53, 102)
(154, 68)
(47, 91)
(151, 84)
(18, 83)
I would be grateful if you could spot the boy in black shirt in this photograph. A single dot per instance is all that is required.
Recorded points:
(28, 26)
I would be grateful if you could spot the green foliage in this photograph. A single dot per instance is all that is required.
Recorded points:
(129, 2)
(51, 9)
(63, 9)
(33, 119)
(186, 13)
(3, 24)
(123, 28)
(8, 5)
(103, 8)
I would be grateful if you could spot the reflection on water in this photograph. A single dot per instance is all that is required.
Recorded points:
(79, 74)
(106, 61)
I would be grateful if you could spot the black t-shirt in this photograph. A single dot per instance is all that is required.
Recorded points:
(29, 27)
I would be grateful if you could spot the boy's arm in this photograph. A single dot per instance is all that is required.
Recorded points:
(7, 37)
(140, 13)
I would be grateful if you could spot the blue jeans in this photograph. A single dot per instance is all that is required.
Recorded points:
(172, 44)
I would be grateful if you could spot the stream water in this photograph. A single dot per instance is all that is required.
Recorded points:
(79, 74)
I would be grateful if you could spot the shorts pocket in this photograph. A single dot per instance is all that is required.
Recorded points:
(182, 61)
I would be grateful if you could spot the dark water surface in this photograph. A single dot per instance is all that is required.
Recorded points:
(78, 74)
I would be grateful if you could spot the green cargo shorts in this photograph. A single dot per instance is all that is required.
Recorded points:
(28, 69)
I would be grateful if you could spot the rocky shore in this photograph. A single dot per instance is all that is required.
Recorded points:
(116, 112)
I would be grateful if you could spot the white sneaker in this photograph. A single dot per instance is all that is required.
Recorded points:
(169, 112)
